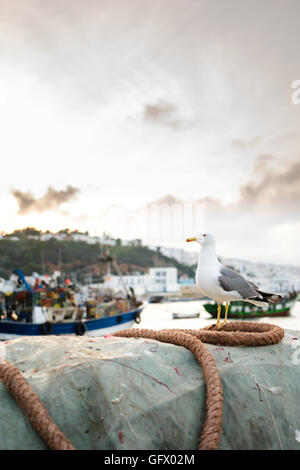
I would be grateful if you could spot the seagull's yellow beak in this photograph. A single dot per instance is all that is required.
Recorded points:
(191, 239)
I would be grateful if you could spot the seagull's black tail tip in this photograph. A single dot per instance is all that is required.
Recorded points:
(271, 298)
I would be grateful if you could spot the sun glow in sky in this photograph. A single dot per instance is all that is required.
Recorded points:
(136, 102)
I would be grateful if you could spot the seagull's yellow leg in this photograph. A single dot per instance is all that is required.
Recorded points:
(226, 313)
(218, 317)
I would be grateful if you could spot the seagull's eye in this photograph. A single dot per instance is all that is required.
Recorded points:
(204, 234)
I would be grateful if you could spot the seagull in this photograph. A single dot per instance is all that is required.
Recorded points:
(223, 284)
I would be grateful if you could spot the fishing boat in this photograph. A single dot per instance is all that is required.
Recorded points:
(185, 299)
(239, 309)
(156, 299)
(180, 316)
(97, 327)
(161, 299)
(53, 311)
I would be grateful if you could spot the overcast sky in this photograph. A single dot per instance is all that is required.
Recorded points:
(109, 106)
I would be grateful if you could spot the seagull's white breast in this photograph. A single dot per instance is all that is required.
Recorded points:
(207, 279)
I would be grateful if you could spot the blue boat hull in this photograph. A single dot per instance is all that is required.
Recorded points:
(94, 327)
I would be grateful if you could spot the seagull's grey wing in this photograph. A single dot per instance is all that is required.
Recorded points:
(232, 281)
(256, 287)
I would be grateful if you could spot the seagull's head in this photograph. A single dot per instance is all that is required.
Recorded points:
(202, 239)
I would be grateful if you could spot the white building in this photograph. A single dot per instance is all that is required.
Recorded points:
(162, 280)
(136, 281)
(107, 241)
(157, 281)
(46, 236)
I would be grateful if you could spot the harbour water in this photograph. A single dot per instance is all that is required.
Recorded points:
(159, 316)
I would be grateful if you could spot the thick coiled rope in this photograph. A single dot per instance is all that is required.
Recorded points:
(232, 334)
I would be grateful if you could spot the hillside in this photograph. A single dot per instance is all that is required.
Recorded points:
(21, 250)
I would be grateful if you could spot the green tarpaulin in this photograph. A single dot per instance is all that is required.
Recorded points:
(116, 393)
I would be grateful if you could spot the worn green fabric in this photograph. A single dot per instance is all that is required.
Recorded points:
(116, 393)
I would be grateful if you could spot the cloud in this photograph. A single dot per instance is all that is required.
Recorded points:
(241, 144)
(263, 162)
(272, 185)
(165, 113)
(168, 199)
(51, 200)
(267, 205)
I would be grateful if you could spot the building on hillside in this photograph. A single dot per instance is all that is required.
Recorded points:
(46, 236)
(136, 242)
(276, 284)
(156, 281)
(162, 280)
(182, 256)
(107, 241)
(136, 281)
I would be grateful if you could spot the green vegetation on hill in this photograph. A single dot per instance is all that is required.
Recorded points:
(68, 256)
